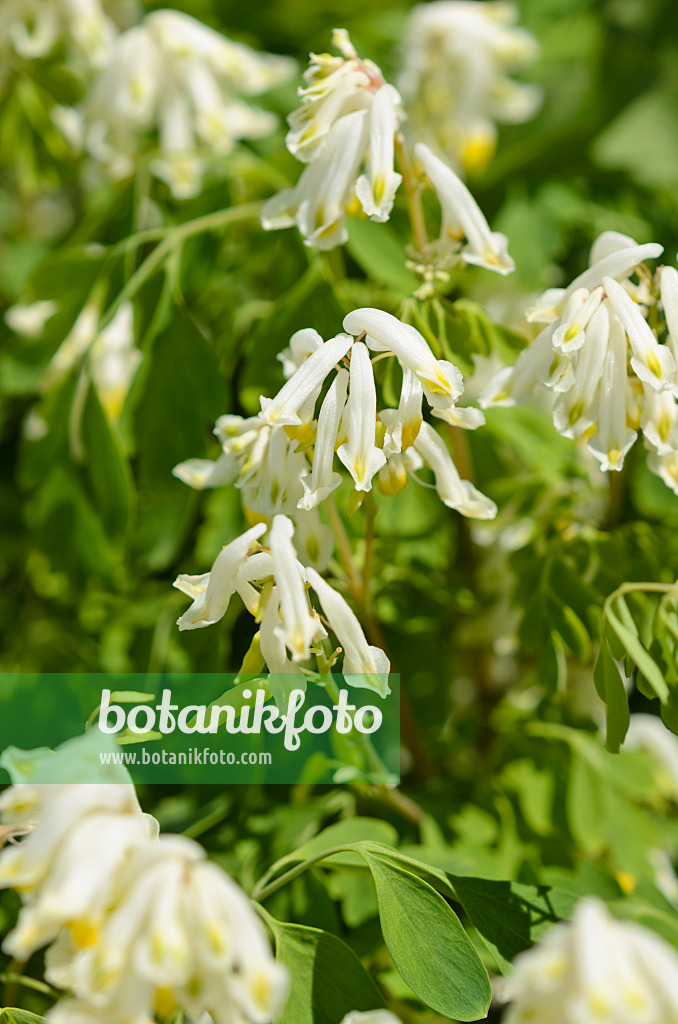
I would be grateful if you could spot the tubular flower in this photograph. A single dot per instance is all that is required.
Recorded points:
(595, 968)
(465, 236)
(606, 356)
(176, 79)
(65, 868)
(457, 58)
(33, 28)
(109, 353)
(348, 120)
(273, 584)
(140, 925)
(180, 934)
(279, 475)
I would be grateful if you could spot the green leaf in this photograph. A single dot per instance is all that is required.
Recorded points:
(610, 687)
(510, 916)
(14, 1016)
(427, 943)
(584, 806)
(634, 648)
(327, 978)
(107, 468)
(378, 251)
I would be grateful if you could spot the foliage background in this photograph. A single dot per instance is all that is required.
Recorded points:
(493, 630)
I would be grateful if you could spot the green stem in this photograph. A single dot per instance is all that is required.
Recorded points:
(260, 892)
(171, 238)
(412, 193)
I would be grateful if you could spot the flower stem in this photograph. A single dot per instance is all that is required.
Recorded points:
(412, 192)
(171, 237)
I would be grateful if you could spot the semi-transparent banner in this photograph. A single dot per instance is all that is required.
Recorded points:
(199, 728)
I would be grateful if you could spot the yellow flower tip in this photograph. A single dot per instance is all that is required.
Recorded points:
(83, 934)
(476, 154)
(164, 1003)
(410, 433)
(254, 518)
(261, 990)
(627, 881)
(216, 940)
(575, 413)
(599, 1005)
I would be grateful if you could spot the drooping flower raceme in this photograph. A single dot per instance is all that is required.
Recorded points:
(273, 585)
(344, 132)
(65, 868)
(174, 80)
(457, 59)
(595, 969)
(140, 926)
(109, 353)
(288, 452)
(607, 356)
(34, 28)
(179, 934)
(465, 237)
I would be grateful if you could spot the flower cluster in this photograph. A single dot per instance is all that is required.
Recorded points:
(465, 237)
(109, 353)
(173, 86)
(140, 924)
(273, 586)
(455, 82)
(283, 460)
(347, 121)
(607, 356)
(34, 28)
(595, 968)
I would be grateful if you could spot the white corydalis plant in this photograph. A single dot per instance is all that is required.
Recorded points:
(138, 925)
(458, 56)
(606, 357)
(273, 586)
(283, 460)
(175, 78)
(348, 120)
(594, 968)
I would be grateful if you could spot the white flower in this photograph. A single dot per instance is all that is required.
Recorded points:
(206, 473)
(65, 867)
(363, 666)
(300, 625)
(173, 76)
(180, 934)
(648, 732)
(457, 57)
(322, 479)
(73, 347)
(34, 27)
(213, 591)
(114, 360)
(359, 453)
(441, 380)
(29, 320)
(606, 357)
(303, 387)
(463, 219)
(313, 540)
(402, 430)
(376, 190)
(595, 970)
(317, 204)
(453, 491)
(348, 119)
(302, 344)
